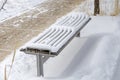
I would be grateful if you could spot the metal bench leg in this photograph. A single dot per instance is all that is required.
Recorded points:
(78, 35)
(39, 65)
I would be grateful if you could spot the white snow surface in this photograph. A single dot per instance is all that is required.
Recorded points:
(94, 56)
(16, 7)
(91, 57)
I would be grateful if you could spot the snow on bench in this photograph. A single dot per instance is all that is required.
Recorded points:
(53, 40)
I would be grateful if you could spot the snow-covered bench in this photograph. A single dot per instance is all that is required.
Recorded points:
(54, 39)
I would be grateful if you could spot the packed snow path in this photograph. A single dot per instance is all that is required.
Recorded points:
(54, 39)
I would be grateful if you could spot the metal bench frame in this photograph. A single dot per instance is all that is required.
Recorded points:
(42, 55)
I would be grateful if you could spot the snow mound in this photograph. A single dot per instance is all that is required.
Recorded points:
(96, 59)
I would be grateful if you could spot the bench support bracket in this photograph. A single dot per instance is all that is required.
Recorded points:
(40, 63)
(78, 35)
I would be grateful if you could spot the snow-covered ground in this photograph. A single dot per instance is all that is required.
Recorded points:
(17, 7)
(95, 56)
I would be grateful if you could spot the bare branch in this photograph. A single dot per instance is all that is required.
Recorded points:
(2, 7)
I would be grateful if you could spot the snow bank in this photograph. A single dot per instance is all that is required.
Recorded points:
(99, 63)
(92, 58)
(104, 60)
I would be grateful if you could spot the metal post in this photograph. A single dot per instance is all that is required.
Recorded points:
(39, 65)
(78, 35)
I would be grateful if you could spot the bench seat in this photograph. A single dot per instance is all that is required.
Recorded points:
(56, 37)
